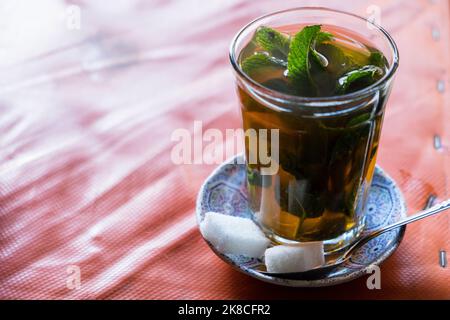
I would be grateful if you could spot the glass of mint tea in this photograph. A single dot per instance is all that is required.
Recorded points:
(320, 77)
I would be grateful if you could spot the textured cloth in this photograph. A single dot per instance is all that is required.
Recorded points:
(86, 117)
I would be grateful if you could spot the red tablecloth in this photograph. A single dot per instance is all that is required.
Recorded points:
(86, 117)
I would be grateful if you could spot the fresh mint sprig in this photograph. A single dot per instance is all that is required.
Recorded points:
(260, 60)
(324, 36)
(299, 52)
(293, 54)
(301, 49)
(320, 38)
(273, 41)
(365, 75)
(297, 56)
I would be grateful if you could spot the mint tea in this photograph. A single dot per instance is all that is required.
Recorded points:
(319, 85)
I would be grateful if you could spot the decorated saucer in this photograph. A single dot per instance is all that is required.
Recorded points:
(225, 191)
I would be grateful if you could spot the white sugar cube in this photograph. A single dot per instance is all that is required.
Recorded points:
(234, 235)
(298, 258)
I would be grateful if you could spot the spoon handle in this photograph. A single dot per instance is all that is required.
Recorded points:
(444, 205)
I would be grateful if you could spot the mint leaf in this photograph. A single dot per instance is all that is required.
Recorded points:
(363, 76)
(272, 41)
(319, 57)
(298, 58)
(339, 62)
(377, 59)
(256, 63)
(324, 36)
(260, 60)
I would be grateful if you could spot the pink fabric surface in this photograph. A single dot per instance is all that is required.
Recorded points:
(86, 117)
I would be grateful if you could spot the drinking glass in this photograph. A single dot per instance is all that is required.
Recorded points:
(326, 147)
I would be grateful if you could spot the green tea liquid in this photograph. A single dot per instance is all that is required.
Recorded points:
(326, 162)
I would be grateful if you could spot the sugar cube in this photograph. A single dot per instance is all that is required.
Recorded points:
(234, 235)
(294, 258)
